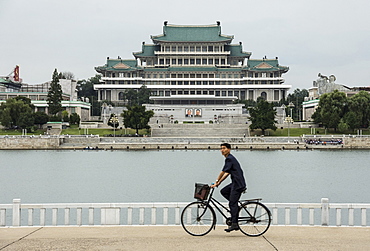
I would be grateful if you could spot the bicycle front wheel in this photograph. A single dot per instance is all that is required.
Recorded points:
(198, 219)
(254, 218)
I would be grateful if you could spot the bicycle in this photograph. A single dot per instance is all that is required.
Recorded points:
(198, 217)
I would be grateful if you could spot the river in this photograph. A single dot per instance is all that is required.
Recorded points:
(169, 176)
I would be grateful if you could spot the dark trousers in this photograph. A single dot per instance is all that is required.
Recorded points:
(233, 196)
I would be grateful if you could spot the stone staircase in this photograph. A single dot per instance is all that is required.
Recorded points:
(200, 130)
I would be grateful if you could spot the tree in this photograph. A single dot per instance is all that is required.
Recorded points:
(86, 89)
(262, 116)
(113, 121)
(66, 75)
(74, 119)
(137, 97)
(54, 98)
(297, 98)
(359, 107)
(65, 116)
(41, 118)
(136, 117)
(16, 113)
(332, 108)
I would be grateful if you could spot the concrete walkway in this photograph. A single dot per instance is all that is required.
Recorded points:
(174, 238)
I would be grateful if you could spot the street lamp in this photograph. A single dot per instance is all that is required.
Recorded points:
(291, 105)
(114, 121)
(288, 120)
(283, 110)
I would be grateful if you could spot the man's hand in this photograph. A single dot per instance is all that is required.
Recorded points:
(214, 185)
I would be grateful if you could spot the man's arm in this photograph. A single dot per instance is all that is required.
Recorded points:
(221, 177)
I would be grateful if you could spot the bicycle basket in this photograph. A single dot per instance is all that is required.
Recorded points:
(201, 191)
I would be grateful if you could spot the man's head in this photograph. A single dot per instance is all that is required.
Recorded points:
(225, 149)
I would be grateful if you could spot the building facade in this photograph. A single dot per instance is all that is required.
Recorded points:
(11, 88)
(193, 72)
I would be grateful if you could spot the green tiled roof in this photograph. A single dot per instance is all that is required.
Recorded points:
(118, 65)
(236, 50)
(192, 33)
(147, 50)
(265, 65)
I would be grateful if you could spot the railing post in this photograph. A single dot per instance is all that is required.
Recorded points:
(325, 212)
(16, 212)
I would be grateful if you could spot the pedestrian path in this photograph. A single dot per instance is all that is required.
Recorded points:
(174, 238)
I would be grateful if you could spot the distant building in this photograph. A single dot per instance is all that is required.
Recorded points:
(194, 73)
(9, 88)
(321, 86)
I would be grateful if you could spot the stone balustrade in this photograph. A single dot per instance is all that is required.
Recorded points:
(97, 214)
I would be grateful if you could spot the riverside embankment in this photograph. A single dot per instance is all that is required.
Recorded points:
(155, 143)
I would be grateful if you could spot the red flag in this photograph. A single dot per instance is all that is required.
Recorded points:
(16, 73)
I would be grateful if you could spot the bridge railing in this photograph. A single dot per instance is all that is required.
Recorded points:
(98, 214)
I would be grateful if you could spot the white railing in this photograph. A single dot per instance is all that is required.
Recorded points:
(93, 214)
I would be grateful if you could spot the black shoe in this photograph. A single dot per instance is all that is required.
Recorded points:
(233, 227)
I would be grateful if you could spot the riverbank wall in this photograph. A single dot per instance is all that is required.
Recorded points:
(93, 142)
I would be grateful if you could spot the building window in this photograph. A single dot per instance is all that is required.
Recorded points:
(198, 61)
(179, 48)
(161, 61)
(179, 61)
(179, 92)
(210, 48)
(210, 61)
(173, 48)
(192, 61)
(264, 95)
(167, 61)
(186, 48)
(217, 93)
(186, 61)
(204, 61)
(224, 93)
(229, 93)
(217, 61)
(192, 48)
(205, 92)
(276, 94)
(199, 92)
(173, 92)
(198, 48)
(204, 48)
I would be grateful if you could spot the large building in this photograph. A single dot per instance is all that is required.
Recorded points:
(194, 73)
(11, 86)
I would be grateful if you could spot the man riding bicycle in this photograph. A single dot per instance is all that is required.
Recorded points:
(233, 191)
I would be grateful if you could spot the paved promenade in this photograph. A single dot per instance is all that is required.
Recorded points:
(174, 238)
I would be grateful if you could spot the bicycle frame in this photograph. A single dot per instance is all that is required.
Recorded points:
(216, 204)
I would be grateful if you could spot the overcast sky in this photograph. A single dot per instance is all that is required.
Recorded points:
(308, 36)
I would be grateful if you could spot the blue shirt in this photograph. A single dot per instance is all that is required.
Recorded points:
(233, 167)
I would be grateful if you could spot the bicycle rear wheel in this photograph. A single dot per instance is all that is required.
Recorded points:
(254, 218)
(198, 219)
